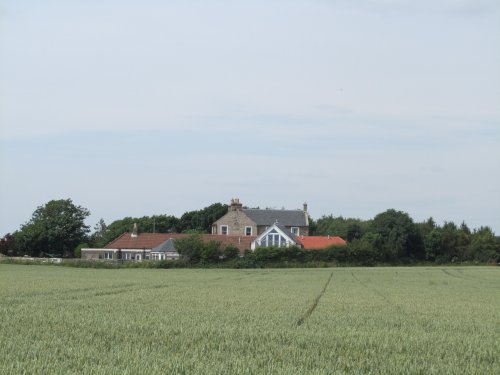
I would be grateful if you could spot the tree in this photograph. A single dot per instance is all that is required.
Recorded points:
(98, 237)
(399, 235)
(55, 228)
(312, 226)
(151, 224)
(365, 250)
(202, 220)
(354, 232)
(230, 252)
(210, 252)
(449, 242)
(78, 249)
(190, 248)
(432, 244)
(347, 228)
(7, 244)
(191, 222)
(484, 246)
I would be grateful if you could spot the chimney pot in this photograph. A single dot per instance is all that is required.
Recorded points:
(235, 205)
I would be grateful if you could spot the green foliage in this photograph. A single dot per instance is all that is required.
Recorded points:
(450, 243)
(277, 254)
(432, 244)
(202, 220)
(210, 252)
(190, 248)
(152, 224)
(97, 238)
(78, 249)
(399, 236)
(347, 228)
(193, 250)
(55, 228)
(483, 247)
(366, 251)
(7, 245)
(191, 222)
(313, 226)
(390, 238)
(230, 252)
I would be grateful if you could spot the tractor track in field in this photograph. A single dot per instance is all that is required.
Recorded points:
(313, 306)
(378, 293)
(466, 275)
(447, 272)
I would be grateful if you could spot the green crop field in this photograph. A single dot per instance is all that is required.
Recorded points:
(58, 320)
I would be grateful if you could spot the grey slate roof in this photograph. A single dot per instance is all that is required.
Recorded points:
(165, 247)
(289, 218)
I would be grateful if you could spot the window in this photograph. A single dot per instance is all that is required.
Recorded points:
(295, 230)
(157, 256)
(248, 231)
(108, 255)
(127, 256)
(224, 230)
(273, 239)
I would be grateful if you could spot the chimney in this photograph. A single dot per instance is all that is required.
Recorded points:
(134, 231)
(235, 205)
(305, 207)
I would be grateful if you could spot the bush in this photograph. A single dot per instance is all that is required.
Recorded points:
(230, 252)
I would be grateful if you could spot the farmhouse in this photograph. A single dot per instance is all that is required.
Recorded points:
(253, 222)
(243, 228)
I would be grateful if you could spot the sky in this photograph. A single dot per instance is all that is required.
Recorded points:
(134, 108)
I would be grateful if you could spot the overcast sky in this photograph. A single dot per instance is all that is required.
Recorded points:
(134, 108)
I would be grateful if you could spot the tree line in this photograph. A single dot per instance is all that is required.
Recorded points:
(58, 229)
(393, 236)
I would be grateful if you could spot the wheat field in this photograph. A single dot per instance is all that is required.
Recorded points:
(399, 320)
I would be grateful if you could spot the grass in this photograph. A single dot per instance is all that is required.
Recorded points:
(58, 320)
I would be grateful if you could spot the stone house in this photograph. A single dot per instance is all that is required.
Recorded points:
(243, 228)
(253, 222)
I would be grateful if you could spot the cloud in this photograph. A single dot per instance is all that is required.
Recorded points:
(354, 106)
(176, 66)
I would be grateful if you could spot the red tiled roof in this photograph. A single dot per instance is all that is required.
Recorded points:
(151, 240)
(142, 241)
(319, 242)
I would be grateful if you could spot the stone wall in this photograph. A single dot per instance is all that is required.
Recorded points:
(236, 222)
